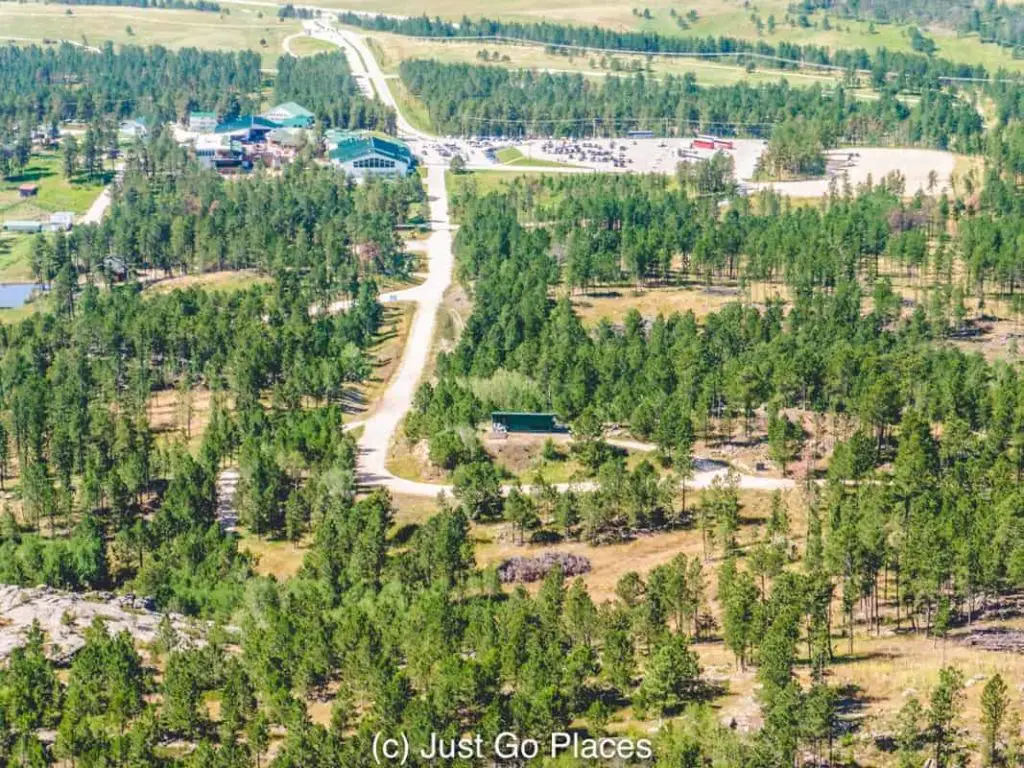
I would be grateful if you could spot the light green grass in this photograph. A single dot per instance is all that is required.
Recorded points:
(55, 192)
(307, 46)
(512, 156)
(235, 28)
(730, 18)
(486, 181)
(391, 50)
(15, 258)
(414, 110)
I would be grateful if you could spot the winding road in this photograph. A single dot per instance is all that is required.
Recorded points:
(380, 428)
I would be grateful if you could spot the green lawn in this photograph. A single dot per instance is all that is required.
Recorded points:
(15, 258)
(414, 110)
(485, 181)
(55, 192)
(307, 46)
(512, 156)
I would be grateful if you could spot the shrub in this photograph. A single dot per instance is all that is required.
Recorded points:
(529, 569)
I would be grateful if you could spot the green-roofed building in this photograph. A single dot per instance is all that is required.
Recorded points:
(515, 421)
(202, 122)
(363, 155)
(247, 128)
(290, 115)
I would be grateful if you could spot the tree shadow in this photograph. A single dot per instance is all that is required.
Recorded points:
(405, 533)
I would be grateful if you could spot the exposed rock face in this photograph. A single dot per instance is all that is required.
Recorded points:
(1003, 639)
(64, 617)
(227, 489)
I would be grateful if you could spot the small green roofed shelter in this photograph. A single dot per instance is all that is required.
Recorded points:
(290, 115)
(516, 421)
(363, 155)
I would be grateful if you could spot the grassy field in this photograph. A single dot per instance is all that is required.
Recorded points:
(414, 110)
(234, 28)
(484, 181)
(307, 46)
(227, 280)
(732, 18)
(15, 252)
(391, 50)
(55, 194)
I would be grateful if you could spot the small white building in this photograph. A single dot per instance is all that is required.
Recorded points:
(217, 150)
(133, 129)
(61, 221)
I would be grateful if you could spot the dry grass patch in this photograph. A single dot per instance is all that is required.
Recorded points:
(390, 50)
(226, 280)
(610, 562)
(167, 414)
(307, 46)
(616, 302)
(241, 29)
(280, 559)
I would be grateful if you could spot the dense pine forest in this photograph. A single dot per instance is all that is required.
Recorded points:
(324, 85)
(174, 217)
(47, 86)
(68, 82)
(472, 99)
(418, 623)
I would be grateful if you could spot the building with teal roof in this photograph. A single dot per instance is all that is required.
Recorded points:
(364, 155)
(247, 128)
(289, 115)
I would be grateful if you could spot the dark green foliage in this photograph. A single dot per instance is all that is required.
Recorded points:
(324, 85)
(472, 99)
(68, 82)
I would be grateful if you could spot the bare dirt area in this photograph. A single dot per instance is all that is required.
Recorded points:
(993, 338)
(855, 165)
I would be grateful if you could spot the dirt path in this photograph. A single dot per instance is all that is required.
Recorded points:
(379, 429)
(99, 206)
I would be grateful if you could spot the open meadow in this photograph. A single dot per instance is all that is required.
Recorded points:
(235, 27)
(392, 49)
(733, 18)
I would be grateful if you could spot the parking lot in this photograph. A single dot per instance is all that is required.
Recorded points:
(642, 155)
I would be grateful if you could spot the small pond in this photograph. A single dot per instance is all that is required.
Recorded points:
(14, 295)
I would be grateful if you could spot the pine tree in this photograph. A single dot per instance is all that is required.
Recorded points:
(994, 704)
